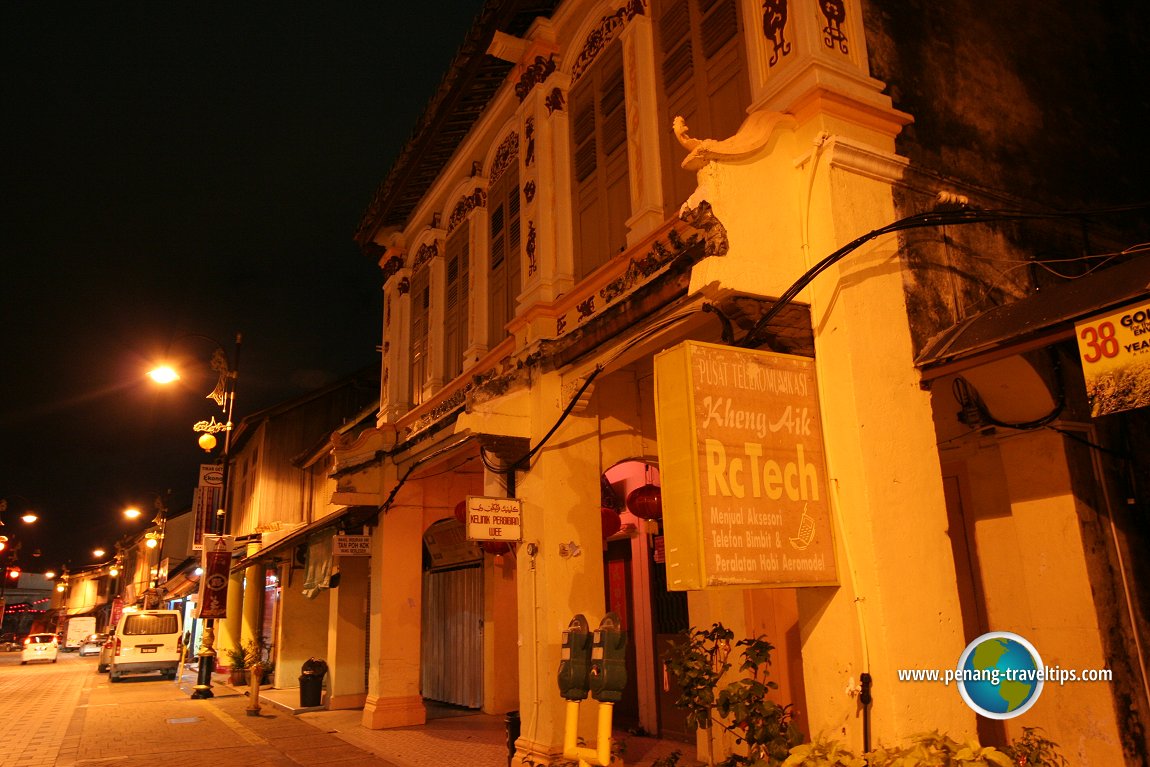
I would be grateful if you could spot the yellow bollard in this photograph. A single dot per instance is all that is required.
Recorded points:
(600, 756)
(257, 674)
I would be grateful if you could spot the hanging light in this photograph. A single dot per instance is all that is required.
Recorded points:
(610, 521)
(646, 502)
(207, 442)
(495, 547)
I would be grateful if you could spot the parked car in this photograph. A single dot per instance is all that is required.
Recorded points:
(106, 651)
(10, 642)
(40, 647)
(92, 644)
(146, 641)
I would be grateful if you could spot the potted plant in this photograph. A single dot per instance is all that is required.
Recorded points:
(740, 708)
(238, 663)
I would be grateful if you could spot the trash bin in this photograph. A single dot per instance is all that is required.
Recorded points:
(311, 682)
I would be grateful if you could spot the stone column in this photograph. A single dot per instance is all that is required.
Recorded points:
(393, 698)
(564, 576)
(346, 638)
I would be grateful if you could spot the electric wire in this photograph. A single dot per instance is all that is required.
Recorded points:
(915, 221)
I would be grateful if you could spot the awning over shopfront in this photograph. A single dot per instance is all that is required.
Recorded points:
(1033, 322)
(184, 582)
(351, 516)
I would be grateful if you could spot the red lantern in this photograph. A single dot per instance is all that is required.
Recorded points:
(610, 520)
(461, 512)
(646, 502)
(495, 547)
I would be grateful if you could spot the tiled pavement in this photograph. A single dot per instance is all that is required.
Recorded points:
(35, 710)
(54, 717)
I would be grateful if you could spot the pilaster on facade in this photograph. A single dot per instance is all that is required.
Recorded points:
(545, 178)
(395, 383)
(646, 175)
(813, 56)
(561, 526)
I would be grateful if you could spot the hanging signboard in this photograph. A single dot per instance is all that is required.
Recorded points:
(352, 545)
(206, 500)
(743, 469)
(447, 545)
(1115, 353)
(494, 519)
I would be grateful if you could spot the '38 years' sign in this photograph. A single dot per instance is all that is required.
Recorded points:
(742, 463)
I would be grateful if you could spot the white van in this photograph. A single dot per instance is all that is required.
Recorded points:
(147, 641)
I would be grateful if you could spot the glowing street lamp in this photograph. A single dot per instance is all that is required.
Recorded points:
(163, 374)
(223, 395)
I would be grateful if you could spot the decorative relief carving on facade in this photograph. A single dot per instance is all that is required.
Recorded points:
(529, 137)
(531, 264)
(507, 153)
(642, 267)
(602, 36)
(539, 71)
(427, 251)
(835, 12)
(390, 267)
(703, 218)
(775, 28)
(585, 308)
(639, 271)
(555, 101)
(404, 286)
(529, 191)
(468, 203)
(753, 135)
(448, 406)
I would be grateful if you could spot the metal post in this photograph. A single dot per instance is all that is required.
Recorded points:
(207, 653)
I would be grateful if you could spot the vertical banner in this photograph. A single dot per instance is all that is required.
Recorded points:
(117, 611)
(205, 501)
(217, 564)
(742, 462)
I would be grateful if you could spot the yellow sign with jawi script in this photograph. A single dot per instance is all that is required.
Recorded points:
(743, 469)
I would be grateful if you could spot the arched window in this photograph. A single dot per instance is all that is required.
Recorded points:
(457, 285)
(420, 312)
(504, 278)
(701, 62)
(602, 195)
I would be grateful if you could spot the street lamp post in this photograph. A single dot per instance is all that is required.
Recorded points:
(8, 553)
(224, 395)
(153, 539)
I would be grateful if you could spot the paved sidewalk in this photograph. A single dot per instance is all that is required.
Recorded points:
(58, 718)
(143, 723)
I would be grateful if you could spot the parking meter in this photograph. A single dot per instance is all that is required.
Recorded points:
(609, 660)
(575, 662)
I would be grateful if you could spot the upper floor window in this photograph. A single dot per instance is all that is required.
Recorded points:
(457, 285)
(420, 310)
(701, 61)
(504, 277)
(602, 195)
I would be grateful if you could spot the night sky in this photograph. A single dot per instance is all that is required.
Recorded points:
(174, 169)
